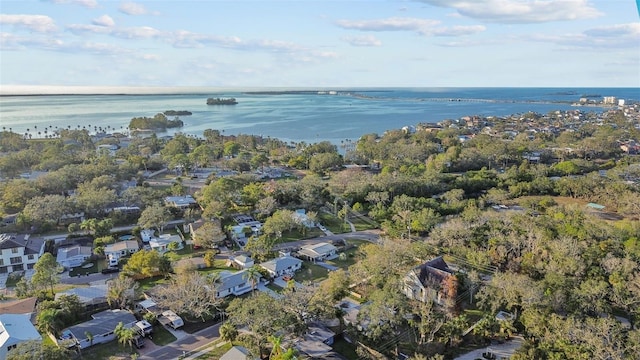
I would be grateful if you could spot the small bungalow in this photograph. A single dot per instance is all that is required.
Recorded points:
(233, 284)
(180, 202)
(73, 256)
(237, 353)
(161, 243)
(240, 262)
(98, 330)
(282, 265)
(122, 248)
(300, 217)
(318, 252)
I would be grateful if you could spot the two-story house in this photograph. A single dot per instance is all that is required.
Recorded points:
(431, 281)
(19, 252)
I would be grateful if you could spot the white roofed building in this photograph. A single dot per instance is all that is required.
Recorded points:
(15, 329)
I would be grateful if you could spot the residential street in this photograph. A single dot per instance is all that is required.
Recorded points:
(185, 345)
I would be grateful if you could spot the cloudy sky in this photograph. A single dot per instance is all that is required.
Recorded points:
(320, 43)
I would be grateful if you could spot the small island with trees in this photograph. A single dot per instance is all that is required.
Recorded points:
(221, 101)
(177, 113)
(158, 122)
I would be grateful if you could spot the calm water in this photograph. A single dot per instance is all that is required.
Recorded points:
(292, 117)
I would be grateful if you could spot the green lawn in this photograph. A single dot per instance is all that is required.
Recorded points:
(311, 272)
(106, 351)
(98, 265)
(162, 336)
(295, 235)
(344, 264)
(148, 283)
(335, 225)
(216, 352)
(361, 224)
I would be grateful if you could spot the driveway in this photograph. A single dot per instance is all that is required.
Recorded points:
(187, 344)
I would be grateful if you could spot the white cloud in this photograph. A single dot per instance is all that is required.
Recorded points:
(389, 24)
(368, 40)
(80, 29)
(620, 36)
(37, 23)
(86, 3)
(141, 32)
(458, 30)
(104, 20)
(131, 8)
(520, 11)
(624, 30)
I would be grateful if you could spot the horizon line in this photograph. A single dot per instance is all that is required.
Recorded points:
(43, 90)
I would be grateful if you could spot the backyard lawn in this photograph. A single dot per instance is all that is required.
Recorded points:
(311, 272)
(216, 352)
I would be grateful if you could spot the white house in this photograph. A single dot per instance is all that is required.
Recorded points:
(101, 328)
(318, 252)
(233, 284)
(73, 256)
(19, 252)
(147, 235)
(15, 329)
(282, 265)
(161, 243)
(115, 251)
(180, 202)
(240, 261)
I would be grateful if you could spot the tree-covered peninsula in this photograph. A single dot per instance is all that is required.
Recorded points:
(158, 122)
(221, 101)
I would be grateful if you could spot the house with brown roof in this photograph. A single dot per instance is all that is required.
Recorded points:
(431, 281)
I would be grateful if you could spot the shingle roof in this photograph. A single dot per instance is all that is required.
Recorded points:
(12, 240)
(281, 263)
(102, 323)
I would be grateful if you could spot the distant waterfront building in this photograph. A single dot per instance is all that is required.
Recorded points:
(609, 100)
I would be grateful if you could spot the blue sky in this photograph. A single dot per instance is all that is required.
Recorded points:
(320, 43)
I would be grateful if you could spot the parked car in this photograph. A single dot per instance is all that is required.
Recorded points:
(286, 278)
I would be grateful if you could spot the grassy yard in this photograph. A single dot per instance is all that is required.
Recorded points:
(337, 226)
(361, 224)
(295, 235)
(106, 351)
(148, 283)
(98, 265)
(162, 336)
(216, 352)
(311, 272)
(348, 261)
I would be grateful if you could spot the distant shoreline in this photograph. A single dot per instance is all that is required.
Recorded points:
(20, 90)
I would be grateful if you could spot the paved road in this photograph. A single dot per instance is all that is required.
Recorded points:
(185, 345)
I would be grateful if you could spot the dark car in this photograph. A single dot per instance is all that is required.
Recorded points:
(110, 270)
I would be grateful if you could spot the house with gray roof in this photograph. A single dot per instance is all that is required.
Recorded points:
(101, 328)
(318, 252)
(19, 252)
(233, 284)
(282, 265)
(237, 353)
(88, 295)
(15, 329)
(73, 256)
(427, 281)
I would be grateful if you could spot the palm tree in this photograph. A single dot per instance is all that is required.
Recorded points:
(89, 336)
(49, 321)
(252, 274)
(228, 332)
(126, 336)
